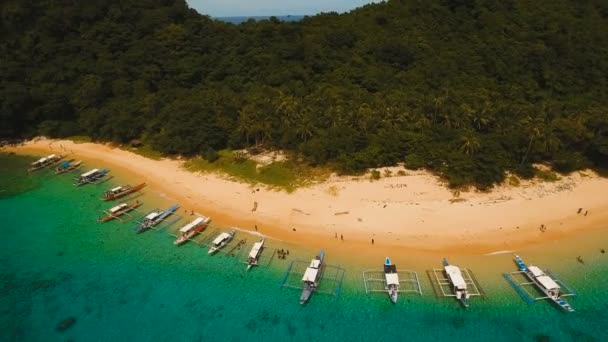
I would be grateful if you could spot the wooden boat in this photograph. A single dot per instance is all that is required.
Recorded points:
(254, 254)
(44, 162)
(191, 229)
(544, 283)
(155, 217)
(459, 285)
(119, 210)
(392, 280)
(221, 241)
(311, 277)
(67, 166)
(92, 176)
(121, 191)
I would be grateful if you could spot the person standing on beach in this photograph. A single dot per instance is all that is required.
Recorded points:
(341, 237)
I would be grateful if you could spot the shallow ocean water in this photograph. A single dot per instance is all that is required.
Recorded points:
(59, 263)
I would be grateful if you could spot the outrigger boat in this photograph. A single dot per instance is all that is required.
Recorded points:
(92, 176)
(392, 280)
(221, 241)
(119, 210)
(544, 283)
(254, 254)
(459, 285)
(311, 277)
(121, 191)
(191, 229)
(67, 166)
(44, 162)
(155, 217)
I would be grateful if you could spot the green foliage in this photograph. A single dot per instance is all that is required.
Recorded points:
(467, 89)
(374, 175)
(546, 175)
(286, 175)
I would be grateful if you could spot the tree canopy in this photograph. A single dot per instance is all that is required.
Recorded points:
(467, 88)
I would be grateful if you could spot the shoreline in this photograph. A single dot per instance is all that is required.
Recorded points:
(403, 214)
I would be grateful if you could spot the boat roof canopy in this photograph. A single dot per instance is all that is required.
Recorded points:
(310, 274)
(536, 271)
(88, 173)
(51, 156)
(192, 224)
(315, 263)
(118, 207)
(455, 276)
(220, 238)
(392, 279)
(116, 189)
(152, 215)
(547, 282)
(256, 249)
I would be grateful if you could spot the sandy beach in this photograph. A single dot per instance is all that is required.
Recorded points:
(415, 210)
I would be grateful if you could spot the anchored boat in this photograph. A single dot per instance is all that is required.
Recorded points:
(254, 254)
(311, 277)
(221, 241)
(121, 191)
(44, 162)
(392, 280)
(67, 166)
(191, 229)
(544, 283)
(155, 217)
(92, 176)
(119, 210)
(459, 285)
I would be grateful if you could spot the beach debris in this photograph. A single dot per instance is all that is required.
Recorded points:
(359, 219)
(66, 323)
(579, 259)
(341, 213)
(255, 206)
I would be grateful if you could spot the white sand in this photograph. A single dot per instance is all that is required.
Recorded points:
(414, 210)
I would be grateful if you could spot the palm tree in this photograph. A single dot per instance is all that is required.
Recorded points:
(469, 143)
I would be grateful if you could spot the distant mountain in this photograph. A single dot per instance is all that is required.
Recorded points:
(238, 20)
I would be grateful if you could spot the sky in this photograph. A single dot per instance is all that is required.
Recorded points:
(231, 8)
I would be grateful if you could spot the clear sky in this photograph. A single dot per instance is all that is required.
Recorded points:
(228, 8)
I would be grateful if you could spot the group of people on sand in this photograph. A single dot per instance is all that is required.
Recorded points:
(581, 209)
(283, 253)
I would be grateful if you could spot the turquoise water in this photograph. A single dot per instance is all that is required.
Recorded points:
(59, 263)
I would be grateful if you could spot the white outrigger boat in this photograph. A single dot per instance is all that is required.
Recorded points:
(459, 285)
(191, 229)
(311, 277)
(44, 162)
(221, 241)
(92, 176)
(254, 254)
(392, 280)
(544, 283)
(155, 217)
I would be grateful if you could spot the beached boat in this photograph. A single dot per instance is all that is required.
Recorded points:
(459, 285)
(392, 280)
(254, 254)
(544, 283)
(44, 162)
(67, 166)
(191, 229)
(121, 191)
(92, 176)
(311, 277)
(155, 217)
(119, 210)
(221, 241)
